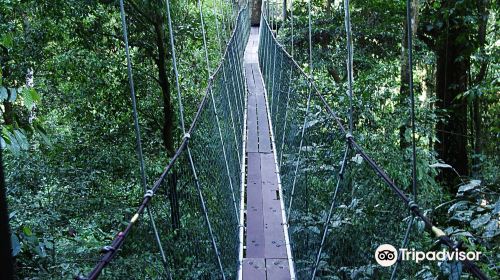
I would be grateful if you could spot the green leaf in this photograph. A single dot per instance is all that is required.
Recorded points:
(11, 142)
(480, 221)
(16, 245)
(3, 144)
(468, 187)
(3, 94)
(21, 139)
(7, 40)
(13, 95)
(31, 98)
(440, 165)
(27, 231)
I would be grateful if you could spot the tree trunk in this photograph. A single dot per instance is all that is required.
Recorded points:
(168, 122)
(483, 11)
(453, 62)
(284, 10)
(6, 261)
(404, 91)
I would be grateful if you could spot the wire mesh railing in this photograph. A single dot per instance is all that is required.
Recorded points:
(205, 171)
(333, 190)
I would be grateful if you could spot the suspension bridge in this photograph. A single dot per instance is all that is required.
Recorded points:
(267, 175)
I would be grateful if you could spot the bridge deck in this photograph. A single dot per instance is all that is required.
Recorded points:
(266, 255)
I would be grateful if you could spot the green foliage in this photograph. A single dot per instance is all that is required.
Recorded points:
(70, 149)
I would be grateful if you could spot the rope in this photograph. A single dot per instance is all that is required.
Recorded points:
(217, 27)
(347, 19)
(403, 245)
(414, 208)
(286, 117)
(412, 98)
(205, 213)
(412, 117)
(310, 42)
(138, 137)
(329, 216)
(273, 83)
(298, 157)
(174, 64)
(110, 251)
(217, 117)
(204, 37)
(291, 24)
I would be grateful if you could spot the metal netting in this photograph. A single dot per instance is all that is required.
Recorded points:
(204, 178)
(311, 149)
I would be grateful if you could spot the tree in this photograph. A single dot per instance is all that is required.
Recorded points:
(404, 91)
(448, 31)
(6, 267)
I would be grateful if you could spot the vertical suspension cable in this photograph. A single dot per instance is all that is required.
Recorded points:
(214, 6)
(291, 25)
(310, 44)
(205, 213)
(273, 73)
(223, 18)
(138, 137)
(347, 19)
(215, 111)
(412, 97)
(412, 119)
(286, 117)
(340, 178)
(204, 37)
(174, 64)
(403, 245)
(297, 162)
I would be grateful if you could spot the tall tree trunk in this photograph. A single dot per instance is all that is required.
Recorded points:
(284, 10)
(404, 91)
(483, 11)
(168, 121)
(6, 261)
(453, 63)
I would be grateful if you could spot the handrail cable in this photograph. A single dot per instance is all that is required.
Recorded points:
(414, 208)
(174, 64)
(110, 252)
(412, 118)
(137, 130)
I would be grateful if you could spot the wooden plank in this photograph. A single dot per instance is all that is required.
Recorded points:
(252, 132)
(255, 241)
(257, 76)
(268, 170)
(254, 269)
(249, 77)
(277, 269)
(266, 255)
(273, 219)
(263, 125)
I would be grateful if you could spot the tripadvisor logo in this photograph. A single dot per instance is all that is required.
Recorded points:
(387, 255)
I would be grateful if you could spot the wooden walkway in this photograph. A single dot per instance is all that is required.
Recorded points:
(267, 254)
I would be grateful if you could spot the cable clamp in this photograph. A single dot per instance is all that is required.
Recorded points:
(349, 136)
(108, 248)
(186, 136)
(149, 193)
(413, 205)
